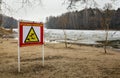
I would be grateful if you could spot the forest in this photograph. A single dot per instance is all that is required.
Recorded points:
(8, 22)
(86, 19)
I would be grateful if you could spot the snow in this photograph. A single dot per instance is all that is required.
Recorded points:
(78, 36)
(81, 36)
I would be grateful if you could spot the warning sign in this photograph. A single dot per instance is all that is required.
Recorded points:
(31, 37)
(30, 33)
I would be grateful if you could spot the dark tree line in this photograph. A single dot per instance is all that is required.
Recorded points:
(8, 22)
(80, 20)
(115, 22)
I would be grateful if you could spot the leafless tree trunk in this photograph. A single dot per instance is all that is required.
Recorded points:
(105, 26)
(65, 38)
(106, 38)
(63, 21)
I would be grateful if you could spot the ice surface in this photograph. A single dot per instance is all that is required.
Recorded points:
(78, 36)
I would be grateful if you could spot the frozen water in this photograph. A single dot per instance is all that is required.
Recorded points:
(78, 36)
(81, 36)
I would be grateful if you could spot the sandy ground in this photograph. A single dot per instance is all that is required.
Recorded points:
(75, 62)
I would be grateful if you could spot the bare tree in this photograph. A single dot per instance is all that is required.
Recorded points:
(30, 2)
(105, 22)
(107, 8)
(63, 21)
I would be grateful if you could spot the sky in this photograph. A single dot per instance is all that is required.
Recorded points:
(39, 12)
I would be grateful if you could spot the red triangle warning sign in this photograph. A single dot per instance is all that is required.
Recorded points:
(31, 37)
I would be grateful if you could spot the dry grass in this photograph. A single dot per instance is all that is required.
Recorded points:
(4, 31)
(75, 62)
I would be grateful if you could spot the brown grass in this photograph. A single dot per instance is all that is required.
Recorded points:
(4, 31)
(74, 62)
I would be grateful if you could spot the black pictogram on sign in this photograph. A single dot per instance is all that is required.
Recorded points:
(31, 37)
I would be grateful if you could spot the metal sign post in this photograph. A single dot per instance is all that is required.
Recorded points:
(18, 58)
(43, 55)
(18, 49)
(30, 33)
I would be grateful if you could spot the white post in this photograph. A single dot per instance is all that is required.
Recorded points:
(18, 49)
(43, 55)
(18, 58)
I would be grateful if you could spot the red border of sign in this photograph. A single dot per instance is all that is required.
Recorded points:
(21, 24)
